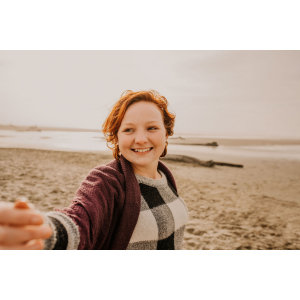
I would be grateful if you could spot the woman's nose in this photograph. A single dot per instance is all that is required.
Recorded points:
(141, 138)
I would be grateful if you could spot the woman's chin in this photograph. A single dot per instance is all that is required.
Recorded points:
(142, 161)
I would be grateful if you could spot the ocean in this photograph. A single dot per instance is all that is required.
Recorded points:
(93, 141)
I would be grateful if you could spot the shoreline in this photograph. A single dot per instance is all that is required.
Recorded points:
(227, 150)
(59, 149)
(20, 128)
(234, 142)
(175, 139)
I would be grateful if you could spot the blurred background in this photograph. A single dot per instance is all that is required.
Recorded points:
(210, 91)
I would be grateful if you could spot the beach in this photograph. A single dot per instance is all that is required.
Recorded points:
(254, 207)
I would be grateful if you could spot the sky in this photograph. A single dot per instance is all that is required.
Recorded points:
(244, 93)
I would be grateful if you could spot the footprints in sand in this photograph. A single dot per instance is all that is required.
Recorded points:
(48, 179)
(225, 216)
(195, 231)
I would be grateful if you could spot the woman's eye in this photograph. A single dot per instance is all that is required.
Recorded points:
(152, 127)
(128, 130)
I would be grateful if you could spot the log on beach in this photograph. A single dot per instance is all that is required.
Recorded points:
(189, 159)
(212, 144)
(228, 164)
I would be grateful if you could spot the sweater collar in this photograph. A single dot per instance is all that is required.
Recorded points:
(126, 166)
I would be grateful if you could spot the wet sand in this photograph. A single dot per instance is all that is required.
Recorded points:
(256, 207)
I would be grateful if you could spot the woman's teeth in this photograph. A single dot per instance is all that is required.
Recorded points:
(141, 150)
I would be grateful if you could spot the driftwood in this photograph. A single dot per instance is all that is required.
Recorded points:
(189, 159)
(228, 165)
(213, 144)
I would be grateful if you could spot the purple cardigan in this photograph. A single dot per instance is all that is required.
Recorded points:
(107, 204)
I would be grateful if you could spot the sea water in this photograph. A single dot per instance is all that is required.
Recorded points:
(53, 140)
(94, 141)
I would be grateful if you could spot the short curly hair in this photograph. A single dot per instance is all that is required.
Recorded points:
(113, 122)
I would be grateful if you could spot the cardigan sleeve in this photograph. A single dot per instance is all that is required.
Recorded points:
(91, 214)
(65, 232)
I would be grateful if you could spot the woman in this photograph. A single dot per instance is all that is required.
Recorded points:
(129, 203)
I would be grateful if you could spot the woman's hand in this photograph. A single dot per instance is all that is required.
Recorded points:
(21, 227)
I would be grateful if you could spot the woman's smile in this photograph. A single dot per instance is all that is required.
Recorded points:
(142, 151)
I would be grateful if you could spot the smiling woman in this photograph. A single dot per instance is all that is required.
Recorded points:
(129, 203)
(115, 119)
(138, 127)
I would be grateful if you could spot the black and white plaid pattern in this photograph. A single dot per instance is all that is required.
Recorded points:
(162, 219)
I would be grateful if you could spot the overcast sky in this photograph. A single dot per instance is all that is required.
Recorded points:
(211, 92)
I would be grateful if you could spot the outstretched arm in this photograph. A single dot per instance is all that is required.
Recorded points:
(87, 223)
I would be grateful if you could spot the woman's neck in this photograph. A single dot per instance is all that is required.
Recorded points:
(152, 174)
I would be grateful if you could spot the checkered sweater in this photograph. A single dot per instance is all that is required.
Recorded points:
(162, 219)
(161, 222)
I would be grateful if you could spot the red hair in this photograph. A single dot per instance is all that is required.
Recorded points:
(113, 122)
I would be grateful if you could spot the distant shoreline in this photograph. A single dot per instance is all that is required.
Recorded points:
(40, 128)
(190, 140)
(233, 141)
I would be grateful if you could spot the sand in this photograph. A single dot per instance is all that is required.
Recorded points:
(256, 207)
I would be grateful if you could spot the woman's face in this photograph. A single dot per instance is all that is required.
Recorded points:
(142, 135)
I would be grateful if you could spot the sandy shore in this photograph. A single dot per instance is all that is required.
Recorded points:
(256, 207)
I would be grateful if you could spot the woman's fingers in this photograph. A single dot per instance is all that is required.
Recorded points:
(14, 230)
(12, 216)
(31, 245)
(16, 235)
(22, 202)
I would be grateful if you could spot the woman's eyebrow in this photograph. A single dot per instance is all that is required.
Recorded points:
(154, 121)
(126, 124)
